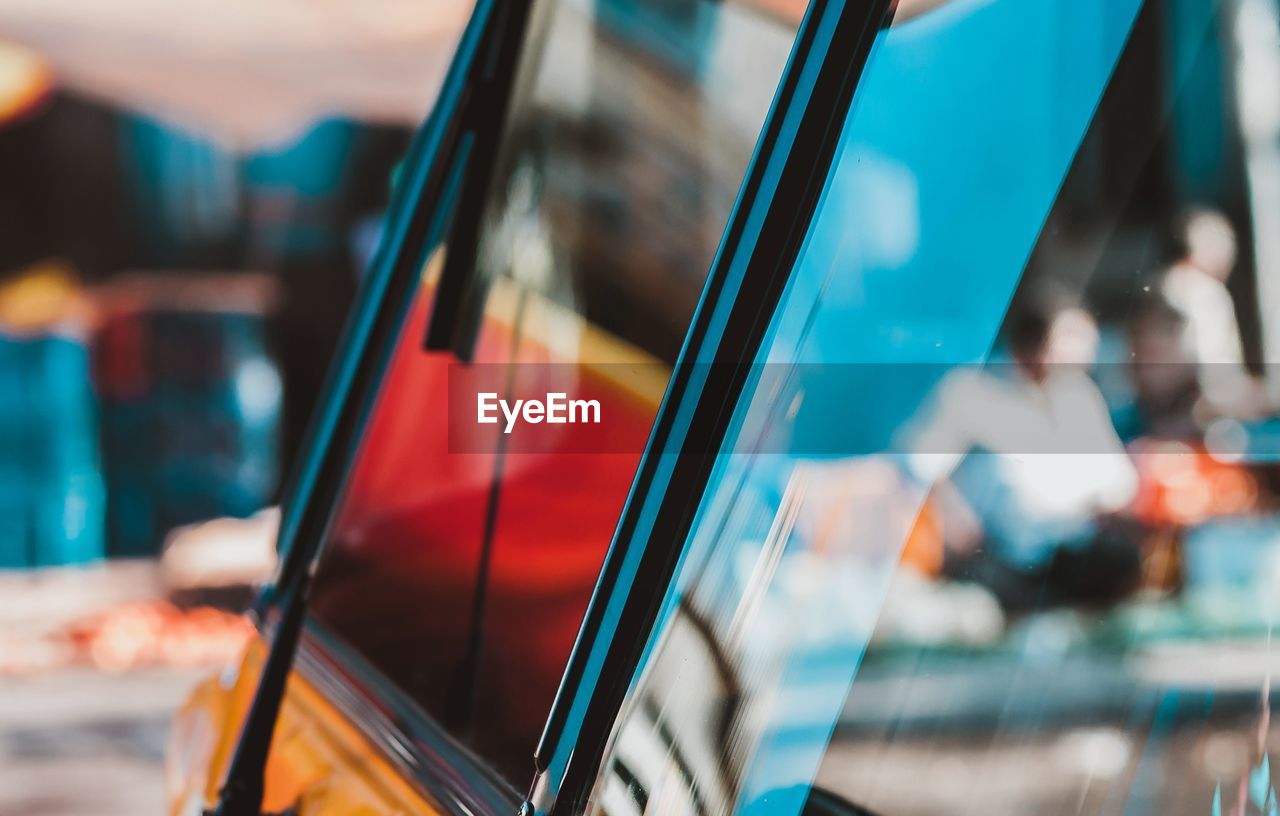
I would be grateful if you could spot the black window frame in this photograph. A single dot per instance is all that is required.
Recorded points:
(761, 243)
(420, 218)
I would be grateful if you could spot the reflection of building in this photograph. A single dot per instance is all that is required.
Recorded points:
(673, 753)
(642, 156)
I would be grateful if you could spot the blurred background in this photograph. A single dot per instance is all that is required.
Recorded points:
(188, 200)
(188, 197)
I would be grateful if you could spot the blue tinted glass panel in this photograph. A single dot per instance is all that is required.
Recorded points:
(993, 530)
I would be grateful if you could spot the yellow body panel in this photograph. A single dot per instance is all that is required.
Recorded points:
(320, 764)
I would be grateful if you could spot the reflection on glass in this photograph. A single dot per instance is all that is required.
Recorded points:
(463, 576)
(999, 529)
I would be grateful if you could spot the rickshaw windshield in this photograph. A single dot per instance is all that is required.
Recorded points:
(459, 568)
(996, 528)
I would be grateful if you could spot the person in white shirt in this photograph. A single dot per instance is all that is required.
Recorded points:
(1196, 286)
(1031, 450)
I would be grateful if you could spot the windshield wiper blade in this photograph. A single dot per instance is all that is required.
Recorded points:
(442, 160)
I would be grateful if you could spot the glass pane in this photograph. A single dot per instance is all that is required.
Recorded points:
(460, 568)
(997, 527)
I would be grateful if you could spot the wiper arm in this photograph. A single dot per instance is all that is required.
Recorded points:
(450, 154)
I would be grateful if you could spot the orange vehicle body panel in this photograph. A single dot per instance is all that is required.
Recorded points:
(320, 763)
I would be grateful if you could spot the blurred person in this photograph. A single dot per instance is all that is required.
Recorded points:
(1163, 371)
(1196, 286)
(1027, 459)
